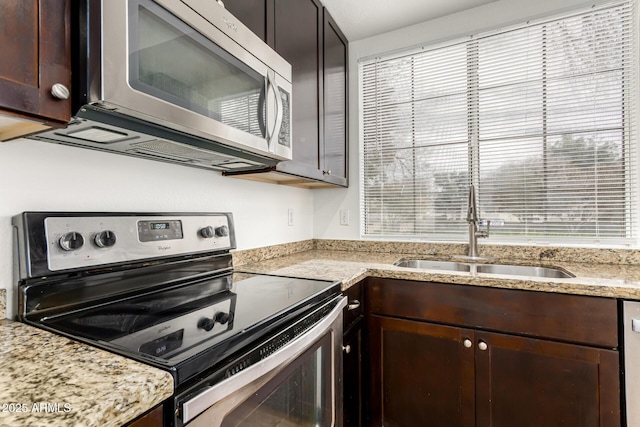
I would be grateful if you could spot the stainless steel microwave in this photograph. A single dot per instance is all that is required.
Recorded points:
(177, 80)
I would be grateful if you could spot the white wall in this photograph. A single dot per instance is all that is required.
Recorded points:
(488, 17)
(38, 176)
(43, 176)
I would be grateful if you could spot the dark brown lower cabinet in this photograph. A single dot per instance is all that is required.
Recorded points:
(352, 379)
(153, 418)
(445, 355)
(421, 374)
(444, 376)
(530, 383)
(353, 362)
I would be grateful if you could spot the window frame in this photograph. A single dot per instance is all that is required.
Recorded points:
(630, 158)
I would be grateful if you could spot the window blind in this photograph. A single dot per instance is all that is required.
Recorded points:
(538, 117)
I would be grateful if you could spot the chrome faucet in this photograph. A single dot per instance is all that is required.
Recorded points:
(474, 230)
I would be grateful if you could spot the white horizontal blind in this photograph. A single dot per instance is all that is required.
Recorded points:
(538, 118)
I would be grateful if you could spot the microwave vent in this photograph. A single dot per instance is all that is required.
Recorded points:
(185, 153)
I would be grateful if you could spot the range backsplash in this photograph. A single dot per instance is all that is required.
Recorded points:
(523, 253)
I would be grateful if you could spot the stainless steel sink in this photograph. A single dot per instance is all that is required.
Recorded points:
(523, 270)
(433, 265)
(506, 269)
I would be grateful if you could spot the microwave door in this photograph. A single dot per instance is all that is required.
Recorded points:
(182, 68)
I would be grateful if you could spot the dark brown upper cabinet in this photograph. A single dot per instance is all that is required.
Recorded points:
(35, 75)
(334, 149)
(305, 35)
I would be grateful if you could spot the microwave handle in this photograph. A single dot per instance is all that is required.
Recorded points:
(201, 402)
(274, 134)
(262, 99)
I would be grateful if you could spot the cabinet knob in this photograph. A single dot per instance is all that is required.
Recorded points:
(327, 172)
(467, 343)
(60, 91)
(483, 345)
(347, 349)
(355, 304)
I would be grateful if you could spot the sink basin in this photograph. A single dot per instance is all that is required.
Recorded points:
(506, 269)
(434, 265)
(523, 270)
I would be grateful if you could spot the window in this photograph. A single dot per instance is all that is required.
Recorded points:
(537, 117)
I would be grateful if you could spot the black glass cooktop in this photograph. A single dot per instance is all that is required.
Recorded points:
(216, 315)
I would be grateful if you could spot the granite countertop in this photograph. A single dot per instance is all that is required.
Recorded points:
(350, 267)
(55, 381)
(49, 380)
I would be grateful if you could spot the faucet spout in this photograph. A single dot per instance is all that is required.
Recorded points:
(472, 210)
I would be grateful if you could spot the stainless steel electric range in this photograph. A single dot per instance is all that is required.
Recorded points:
(244, 349)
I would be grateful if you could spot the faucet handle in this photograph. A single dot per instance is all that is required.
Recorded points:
(485, 232)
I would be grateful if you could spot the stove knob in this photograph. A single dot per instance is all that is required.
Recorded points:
(71, 241)
(105, 239)
(207, 232)
(206, 324)
(222, 231)
(222, 317)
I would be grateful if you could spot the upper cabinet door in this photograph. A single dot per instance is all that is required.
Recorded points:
(334, 149)
(304, 34)
(254, 14)
(298, 40)
(293, 28)
(35, 37)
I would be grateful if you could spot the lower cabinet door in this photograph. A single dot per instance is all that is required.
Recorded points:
(425, 374)
(528, 382)
(352, 369)
(421, 374)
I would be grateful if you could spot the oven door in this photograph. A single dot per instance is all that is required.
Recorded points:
(179, 65)
(298, 385)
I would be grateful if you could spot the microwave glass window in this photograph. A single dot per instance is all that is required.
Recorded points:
(171, 61)
(284, 137)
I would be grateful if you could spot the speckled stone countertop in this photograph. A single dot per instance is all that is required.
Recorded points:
(48, 380)
(60, 382)
(349, 267)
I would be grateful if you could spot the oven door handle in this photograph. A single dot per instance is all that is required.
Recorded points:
(193, 407)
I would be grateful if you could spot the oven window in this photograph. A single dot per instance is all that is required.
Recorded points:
(171, 61)
(301, 395)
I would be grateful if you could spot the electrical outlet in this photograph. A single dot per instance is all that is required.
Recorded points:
(344, 216)
(290, 217)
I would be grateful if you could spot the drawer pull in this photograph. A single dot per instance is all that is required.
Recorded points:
(355, 304)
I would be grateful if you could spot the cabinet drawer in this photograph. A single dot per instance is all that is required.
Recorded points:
(569, 318)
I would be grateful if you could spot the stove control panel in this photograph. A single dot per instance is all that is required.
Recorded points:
(87, 241)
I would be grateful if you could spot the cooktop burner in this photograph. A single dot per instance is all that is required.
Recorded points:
(111, 321)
